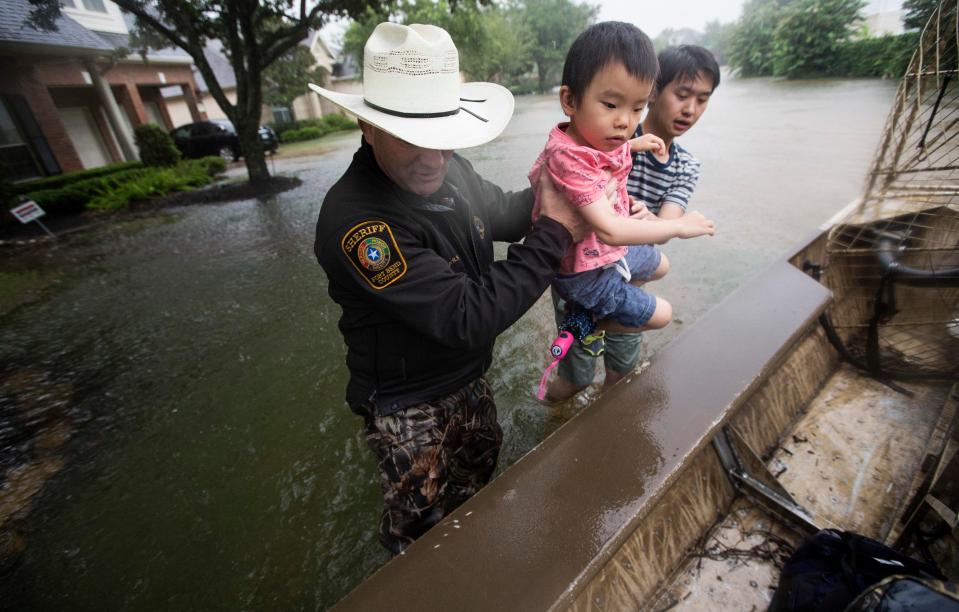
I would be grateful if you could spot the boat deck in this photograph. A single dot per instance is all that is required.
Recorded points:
(849, 459)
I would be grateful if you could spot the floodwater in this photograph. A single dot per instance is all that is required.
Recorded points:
(171, 414)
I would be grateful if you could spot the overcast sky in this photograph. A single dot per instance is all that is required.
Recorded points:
(654, 16)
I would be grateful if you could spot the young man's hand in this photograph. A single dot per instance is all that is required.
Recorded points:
(638, 210)
(648, 142)
(694, 224)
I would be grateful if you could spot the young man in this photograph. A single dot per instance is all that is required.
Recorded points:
(406, 240)
(688, 75)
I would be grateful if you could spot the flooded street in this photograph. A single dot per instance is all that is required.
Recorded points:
(175, 383)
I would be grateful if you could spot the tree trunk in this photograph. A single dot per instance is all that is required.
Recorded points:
(541, 73)
(252, 149)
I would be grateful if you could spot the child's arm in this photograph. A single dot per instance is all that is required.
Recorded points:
(647, 142)
(623, 231)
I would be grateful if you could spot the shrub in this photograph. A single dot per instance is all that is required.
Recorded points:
(340, 122)
(308, 129)
(884, 56)
(213, 165)
(73, 198)
(61, 180)
(153, 182)
(120, 188)
(306, 133)
(156, 146)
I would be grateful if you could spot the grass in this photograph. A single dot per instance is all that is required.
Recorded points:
(314, 147)
(18, 288)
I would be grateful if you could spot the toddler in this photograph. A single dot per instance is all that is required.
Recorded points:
(607, 79)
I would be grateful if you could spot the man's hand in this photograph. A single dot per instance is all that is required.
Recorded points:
(556, 207)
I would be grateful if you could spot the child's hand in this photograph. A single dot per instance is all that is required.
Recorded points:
(694, 224)
(648, 142)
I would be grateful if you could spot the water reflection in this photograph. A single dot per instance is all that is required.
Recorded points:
(192, 362)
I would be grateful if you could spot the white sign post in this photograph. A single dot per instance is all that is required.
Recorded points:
(30, 211)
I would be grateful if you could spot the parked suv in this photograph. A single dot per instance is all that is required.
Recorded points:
(217, 137)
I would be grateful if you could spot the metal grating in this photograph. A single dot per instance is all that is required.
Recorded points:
(893, 264)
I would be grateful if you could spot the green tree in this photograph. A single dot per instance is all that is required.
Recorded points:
(810, 35)
(254, 34)
(673, 38)
(553, 25)
(717, 37)
(508, 53)
(918, 13)
(286, 79)
(751, 43)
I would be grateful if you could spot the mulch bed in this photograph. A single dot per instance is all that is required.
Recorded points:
(17, 235)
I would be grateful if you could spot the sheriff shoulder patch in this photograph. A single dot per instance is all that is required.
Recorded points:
(372, 249)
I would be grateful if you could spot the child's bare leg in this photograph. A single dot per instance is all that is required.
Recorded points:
(660, 319)
(657, 274)
(562, 389)
(662, 268)
(612, 377)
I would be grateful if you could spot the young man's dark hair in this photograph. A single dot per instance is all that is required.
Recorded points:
(686, 62)
(602, 44)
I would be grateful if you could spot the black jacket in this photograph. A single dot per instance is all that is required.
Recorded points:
(422, 298)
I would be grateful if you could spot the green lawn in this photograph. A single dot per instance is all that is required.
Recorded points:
(316, 147)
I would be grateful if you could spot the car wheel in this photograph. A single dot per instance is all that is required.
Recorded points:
(226, 152)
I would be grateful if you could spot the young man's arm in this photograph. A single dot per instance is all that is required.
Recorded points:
(670, 210)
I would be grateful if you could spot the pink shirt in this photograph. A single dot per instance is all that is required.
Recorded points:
(578, 173)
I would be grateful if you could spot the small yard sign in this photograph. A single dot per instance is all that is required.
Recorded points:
(30, 211)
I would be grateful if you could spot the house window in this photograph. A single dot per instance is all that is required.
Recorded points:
(282, 114)
(95, 6)
(15, 156)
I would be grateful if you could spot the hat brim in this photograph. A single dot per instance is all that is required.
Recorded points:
(459, 131)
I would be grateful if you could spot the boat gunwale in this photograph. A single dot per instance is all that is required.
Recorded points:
(426, 555)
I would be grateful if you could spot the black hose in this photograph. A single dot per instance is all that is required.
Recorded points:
(914, 277)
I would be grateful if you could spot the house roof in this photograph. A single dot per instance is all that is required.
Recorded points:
(69, 33)
(219, 64)
(123, 40)
(312, 38)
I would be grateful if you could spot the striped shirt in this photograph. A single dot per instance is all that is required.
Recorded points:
(655, 183)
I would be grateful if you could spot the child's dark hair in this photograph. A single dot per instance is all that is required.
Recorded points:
(686, 62)
(603, 43)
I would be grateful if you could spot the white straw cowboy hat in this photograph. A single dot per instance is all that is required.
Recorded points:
(412, 89)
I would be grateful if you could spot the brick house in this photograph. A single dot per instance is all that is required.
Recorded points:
(68, 101)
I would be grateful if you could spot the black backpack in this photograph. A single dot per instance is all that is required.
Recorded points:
(833, 567)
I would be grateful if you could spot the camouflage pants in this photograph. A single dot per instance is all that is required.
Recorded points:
(432, 457)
